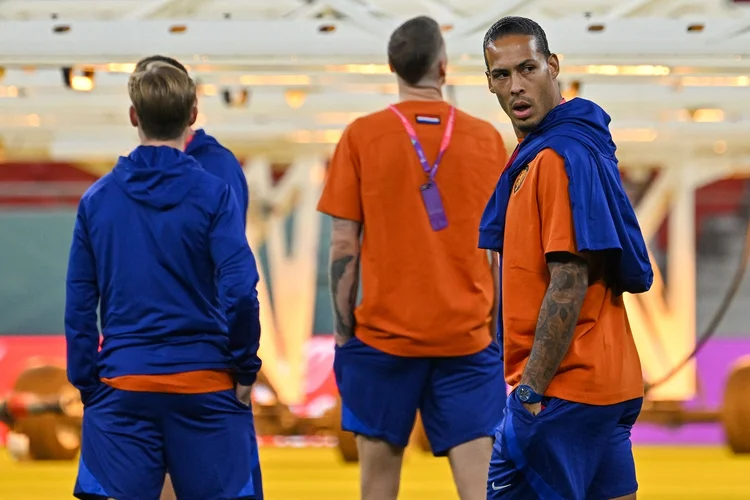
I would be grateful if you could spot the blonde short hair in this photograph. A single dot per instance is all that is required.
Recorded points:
(164, 98)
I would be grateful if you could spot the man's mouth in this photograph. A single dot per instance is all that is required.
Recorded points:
(521, 110)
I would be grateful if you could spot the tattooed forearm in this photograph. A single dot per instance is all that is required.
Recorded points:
(557, 321)
(344, 275)
(343, 303)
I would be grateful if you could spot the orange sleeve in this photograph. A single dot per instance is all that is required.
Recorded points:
(341, 193)
(558, 232)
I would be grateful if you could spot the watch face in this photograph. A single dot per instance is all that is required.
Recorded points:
(524, 393)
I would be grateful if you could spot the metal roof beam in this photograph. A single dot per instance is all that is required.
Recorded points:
(270, 42)
(150, 9)
(363, 15)
(624, 9)
(480, 22)
(441, 11)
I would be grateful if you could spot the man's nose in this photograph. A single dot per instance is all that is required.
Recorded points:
(516, 84)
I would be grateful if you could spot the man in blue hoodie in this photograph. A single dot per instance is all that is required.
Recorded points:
(216, 160)
(153, 243)
(570, 246)
(213, 157)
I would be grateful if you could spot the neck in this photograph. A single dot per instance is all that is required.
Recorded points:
(421, 92)
(178, 143)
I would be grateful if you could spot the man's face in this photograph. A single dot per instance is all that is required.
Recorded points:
(523, 80)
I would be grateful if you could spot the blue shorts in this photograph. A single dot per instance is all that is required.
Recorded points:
(131, 439)
(570, 451)
(460, 399)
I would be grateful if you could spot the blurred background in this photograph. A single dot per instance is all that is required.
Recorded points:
(278, 81)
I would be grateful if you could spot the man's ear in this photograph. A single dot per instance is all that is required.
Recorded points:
(193, 115)
(133, 117)
(554, 65)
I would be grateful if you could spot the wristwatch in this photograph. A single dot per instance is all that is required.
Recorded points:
(527, 395)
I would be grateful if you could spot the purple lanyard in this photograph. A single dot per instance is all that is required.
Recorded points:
(430, 194)
(430, 171)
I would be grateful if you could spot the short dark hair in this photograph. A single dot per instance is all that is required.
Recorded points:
(414, 47)
(143, 63)
(513, 25)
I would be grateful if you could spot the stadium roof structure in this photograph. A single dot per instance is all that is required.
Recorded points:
(284, 77)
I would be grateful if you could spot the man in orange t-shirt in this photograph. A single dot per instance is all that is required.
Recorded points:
(422, 338)
(570, 245)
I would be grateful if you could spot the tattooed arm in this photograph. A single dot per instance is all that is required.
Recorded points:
(344, 275)
(558, 316)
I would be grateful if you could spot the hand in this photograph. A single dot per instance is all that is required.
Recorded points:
(646, 388)
(533, 408)
(243, 393)
(70, 403)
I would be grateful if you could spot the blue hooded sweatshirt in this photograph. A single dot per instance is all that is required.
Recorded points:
(219, 161)
(603, 218)
(150, 239)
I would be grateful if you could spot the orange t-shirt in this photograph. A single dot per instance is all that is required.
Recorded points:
(195, 382)
(425, 292)
(602, 366)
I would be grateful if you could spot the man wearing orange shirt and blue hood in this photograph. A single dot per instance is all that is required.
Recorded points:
(570, 246)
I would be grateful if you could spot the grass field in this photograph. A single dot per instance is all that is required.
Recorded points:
(317, 474)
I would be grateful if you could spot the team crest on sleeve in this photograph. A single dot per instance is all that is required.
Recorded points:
(521, 177)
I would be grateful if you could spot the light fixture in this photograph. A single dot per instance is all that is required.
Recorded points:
(282, 80)
(634, 135)
(364, 69)
(707, 115)
(236, 99)
(10, 91)
(207, 89)
(716, 81)
(623, 70)
(80, 83)
(295, 98)
(121, 67)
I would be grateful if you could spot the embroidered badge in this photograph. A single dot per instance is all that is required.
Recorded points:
(519, 180)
